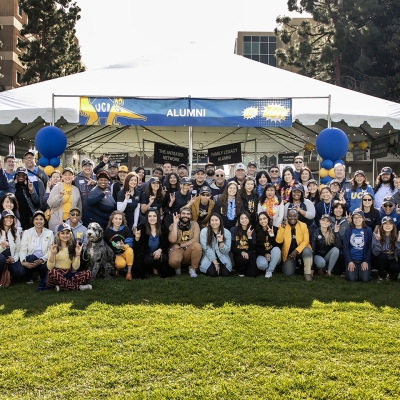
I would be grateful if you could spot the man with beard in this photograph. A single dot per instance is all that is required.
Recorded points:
(85, 181)
(218, 186)
(240, 175)
(384, 186)
(167, 169)
(210, 172)
(28, 199)
(36, 176)
(340, 175)
(199, 181)
(184, 236)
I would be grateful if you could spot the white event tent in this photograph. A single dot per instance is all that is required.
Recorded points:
(197, 74)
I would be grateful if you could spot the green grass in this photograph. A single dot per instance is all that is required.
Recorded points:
(203, 338)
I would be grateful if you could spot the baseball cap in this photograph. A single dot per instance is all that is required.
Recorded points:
(123, 168)
(29, 152)
(182, 166)
(68, 169)
(252, 163)
(205, 189)
(386, 170)
(333, 182)
(359, 172)
(87, 161)
(359, 212)
(240, 166)
(314, 181)
(21, 170)
(200, 170)
(112, 165)
(325, 216)
(76, 209)
(185, 180)
(210, 164)
(63, 227)
(387, 219)
(154, 179)
(103, 174)
(39, 212)
(388, 199)
(7, 213)
(298, 187)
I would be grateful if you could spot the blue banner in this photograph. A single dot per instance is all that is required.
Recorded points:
(185, 112)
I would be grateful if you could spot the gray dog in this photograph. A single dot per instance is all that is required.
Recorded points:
(99, 255)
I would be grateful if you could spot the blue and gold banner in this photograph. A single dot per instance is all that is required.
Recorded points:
(185, 112)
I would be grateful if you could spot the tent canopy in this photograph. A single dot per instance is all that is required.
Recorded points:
(199, 75)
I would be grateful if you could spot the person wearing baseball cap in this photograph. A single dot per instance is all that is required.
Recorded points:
(210, 172)
(384, 186)
(85, 181)
(112, 167)
(359, 185)
(202, 207)
(385, 247)
(152, 197)
(199, 181)
(36, 175)
(62, 198)
(118, 184)
(100, 202)
(182, 170)
(240, 175)
(77, 228)
(390, 209)
(252, 169)
(357, 248)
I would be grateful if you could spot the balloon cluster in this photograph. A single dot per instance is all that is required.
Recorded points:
(332, 144)
(51, 142)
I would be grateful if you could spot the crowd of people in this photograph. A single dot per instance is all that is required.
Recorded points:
(255, 221)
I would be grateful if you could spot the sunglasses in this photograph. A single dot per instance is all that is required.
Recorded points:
(275, 171)
(75, 214)
(367, 199)
(388, 205)
(205, 194)
(298, 162)
(219, 176)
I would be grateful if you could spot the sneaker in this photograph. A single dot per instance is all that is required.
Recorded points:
(398, 277)
(85, 287)
(29, 282)
(57, 288)
(178, 271)
(268, 274)
(379, 280)
(308, 277)
(192, 273)
(38, 279)
(388, 277)
(241, 276)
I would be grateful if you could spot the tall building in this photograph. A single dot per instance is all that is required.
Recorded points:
(11, 20)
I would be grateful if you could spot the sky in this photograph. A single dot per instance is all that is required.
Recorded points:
(113, 31)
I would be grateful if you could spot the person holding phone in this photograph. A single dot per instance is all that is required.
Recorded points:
(128, 200)
(64, 261)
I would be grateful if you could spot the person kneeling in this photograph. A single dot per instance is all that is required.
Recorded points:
(215, 241)
(63, 263)
(295, 240)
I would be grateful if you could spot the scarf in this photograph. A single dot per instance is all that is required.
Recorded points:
(231, 210)
(270, 206)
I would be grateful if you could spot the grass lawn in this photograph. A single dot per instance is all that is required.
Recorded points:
(204, 338)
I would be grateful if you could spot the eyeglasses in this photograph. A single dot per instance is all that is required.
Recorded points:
(205, 194)
(367, 199)
(298, 162)
(388, 205)
(275, 171)
(74, 214)
(219, 176)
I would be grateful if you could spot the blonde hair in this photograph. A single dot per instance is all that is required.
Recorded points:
(329, 234)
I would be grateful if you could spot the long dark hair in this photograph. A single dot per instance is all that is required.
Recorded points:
(159, 194)
(379, 182)
(260, 174)
(354, 184)
(223, 200)
(337, 204)
(240, 230)
(158, 223)
(316, 198)
(12, 198)
(126, 187)
(301, 196)
(13, 227)
(242, 192)
(264, 193)
(167, 184)
(260, 230)
(362, 198)
(210, 232)
(309, 174)
(283, 184)
(71, 244)
(393, 235)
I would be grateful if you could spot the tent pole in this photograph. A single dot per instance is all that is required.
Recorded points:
(53, 117)
(190, 150)
(329, 111)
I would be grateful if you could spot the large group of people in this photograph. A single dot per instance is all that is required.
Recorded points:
(253, 223)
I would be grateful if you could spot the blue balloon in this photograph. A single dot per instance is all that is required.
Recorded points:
(338, 162)
(326, 180)
(332, 144)
(43, 161)
(51, 141)
(55, 162)
(327, 164)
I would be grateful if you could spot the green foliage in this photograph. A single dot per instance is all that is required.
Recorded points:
(204, 338)
(351, 43)
(50, 50)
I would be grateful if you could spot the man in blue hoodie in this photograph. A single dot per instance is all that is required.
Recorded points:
(390, 209)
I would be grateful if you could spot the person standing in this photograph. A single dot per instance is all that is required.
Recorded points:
(359, 185)
(340, 176)
(199, 181)
(251, 169)
(384, 186)
(298, 163)
(128, 200)
(229, 205)
(240, 175)
(210, 172)
(217, 187)
(271, 203)
(202, 207)
(274, 175)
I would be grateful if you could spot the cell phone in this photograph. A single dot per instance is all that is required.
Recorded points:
(194, 192)
(80, 243)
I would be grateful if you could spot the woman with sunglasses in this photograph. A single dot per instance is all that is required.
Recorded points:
(202, 207)
(359, 185)
(371, 214)
(271, 203)
(64, 261)
(152, 197)
(287, 182)
(128, 199)
(262, 178)
(357, 246)
(250, 198)
(390, 209)
(229, 205)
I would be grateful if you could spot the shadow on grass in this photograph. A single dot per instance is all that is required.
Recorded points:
(280, 291)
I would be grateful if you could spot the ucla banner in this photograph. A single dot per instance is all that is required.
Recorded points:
(185, 112)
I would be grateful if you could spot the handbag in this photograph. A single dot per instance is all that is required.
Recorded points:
(5, 279)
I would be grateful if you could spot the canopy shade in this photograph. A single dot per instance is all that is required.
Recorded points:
(200, 75)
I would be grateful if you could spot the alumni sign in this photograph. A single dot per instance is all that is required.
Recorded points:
(230, 154)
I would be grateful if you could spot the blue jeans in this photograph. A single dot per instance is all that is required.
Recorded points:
(289, 266)
(358, 274)
(330, 258)
(16, 269)
(29, 271)
(264, 265)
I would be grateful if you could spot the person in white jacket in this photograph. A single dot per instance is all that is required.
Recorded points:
(35, 245)
(62, 198)
(271, 203)
(10, 242)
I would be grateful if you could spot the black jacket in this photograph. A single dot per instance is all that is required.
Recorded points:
(319, 246)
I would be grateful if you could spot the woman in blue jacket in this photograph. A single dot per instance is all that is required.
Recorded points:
(357, 248)
(359, 186)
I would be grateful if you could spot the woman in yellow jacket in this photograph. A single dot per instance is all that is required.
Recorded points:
(295, 240)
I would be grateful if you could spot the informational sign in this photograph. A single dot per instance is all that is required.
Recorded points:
(185, 112)
(379, 148)
(230, 154)
(121, 158)
(358, 154)
(173, 154)
(286, 158)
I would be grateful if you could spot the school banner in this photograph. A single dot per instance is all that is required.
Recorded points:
(173, 154)
(185, 112)
(286, 158)
(229, 154)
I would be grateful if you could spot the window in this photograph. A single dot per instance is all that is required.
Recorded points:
(260, 48)
(19, 78)
(19, 10)
(19, 41)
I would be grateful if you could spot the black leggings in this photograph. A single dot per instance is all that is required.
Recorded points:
(161, 265)
(246, 267)
(212, 271)
(385, 265)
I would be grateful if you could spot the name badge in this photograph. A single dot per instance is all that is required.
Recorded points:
(81, 181)
(129, 200)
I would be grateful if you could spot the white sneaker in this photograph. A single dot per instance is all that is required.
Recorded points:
(85, 287)
(241, 276)
(192, 273)
(178, 271)
(268, 274)
(57, 288)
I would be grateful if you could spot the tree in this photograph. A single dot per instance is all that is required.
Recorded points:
(347, 42)
(50, 49)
